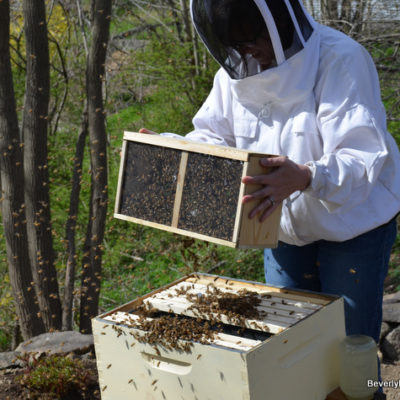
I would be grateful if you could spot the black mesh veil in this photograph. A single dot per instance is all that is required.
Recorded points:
(230, 27)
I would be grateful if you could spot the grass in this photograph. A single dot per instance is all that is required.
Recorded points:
(55, 375)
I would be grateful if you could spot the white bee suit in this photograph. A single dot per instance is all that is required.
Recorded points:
(319, 105)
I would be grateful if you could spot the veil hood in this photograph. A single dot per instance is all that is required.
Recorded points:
(213, 20)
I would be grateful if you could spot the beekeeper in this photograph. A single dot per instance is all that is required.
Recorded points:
(292, 87)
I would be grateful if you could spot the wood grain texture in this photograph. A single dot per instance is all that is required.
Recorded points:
(254, 233)
(187, 145)
(179, 189)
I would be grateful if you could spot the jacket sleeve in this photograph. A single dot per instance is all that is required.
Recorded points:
(213, 122)
(352, 124)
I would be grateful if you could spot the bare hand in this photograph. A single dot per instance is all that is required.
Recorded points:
(148, 132)
(285, 178)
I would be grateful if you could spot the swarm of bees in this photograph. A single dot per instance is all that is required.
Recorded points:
(172, 332)
(237, 307)
(141, 196)
(211, 188)
(178, 332)
(210, 193)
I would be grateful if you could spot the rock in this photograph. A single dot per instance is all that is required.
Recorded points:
(9, 359)
(391, 312)
(391, 345)
(391, 298)
(60, 343)
(385, 329)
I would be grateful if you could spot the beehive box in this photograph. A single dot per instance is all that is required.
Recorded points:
(193, 189)
(289, 353)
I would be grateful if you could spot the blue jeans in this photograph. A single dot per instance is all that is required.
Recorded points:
(354, 269)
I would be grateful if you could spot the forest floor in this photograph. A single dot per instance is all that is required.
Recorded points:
(391, 373)
(10, 389)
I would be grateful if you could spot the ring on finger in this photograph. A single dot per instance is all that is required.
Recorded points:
(270, 198)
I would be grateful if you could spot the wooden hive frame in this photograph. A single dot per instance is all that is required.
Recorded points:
(282, 308)
(177, 180)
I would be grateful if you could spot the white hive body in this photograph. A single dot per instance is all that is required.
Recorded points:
(290, 351)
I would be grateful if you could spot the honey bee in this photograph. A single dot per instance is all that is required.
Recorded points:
(352, 271)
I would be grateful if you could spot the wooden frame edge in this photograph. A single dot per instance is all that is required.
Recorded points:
(120, 175)
(176, 230)
(189, 146)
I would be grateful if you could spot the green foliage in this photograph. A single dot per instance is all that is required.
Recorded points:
(161, 68)
(394, 129)
(143, 259)
(394, 264)
(181, 87)
(55, 375)
(7, 306)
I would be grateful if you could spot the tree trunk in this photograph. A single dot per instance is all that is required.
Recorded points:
(345, 13)
(71, 225)
(35, 163)
(12, 196)
(359, 16)
(91, 273)
(329, 10)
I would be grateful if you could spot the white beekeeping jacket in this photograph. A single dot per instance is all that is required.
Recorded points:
(319, 104)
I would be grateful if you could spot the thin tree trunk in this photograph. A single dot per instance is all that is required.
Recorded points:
(188, 26)
(57, 111)
(35, 163)
(311, 8)
(359, 16)
(91, 274)
(346, 10)
(71, 225)
(329, 10)
(12, 195)
(177, 21)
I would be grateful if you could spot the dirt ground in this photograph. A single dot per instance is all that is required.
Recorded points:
(391, 372)
(10, 390)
